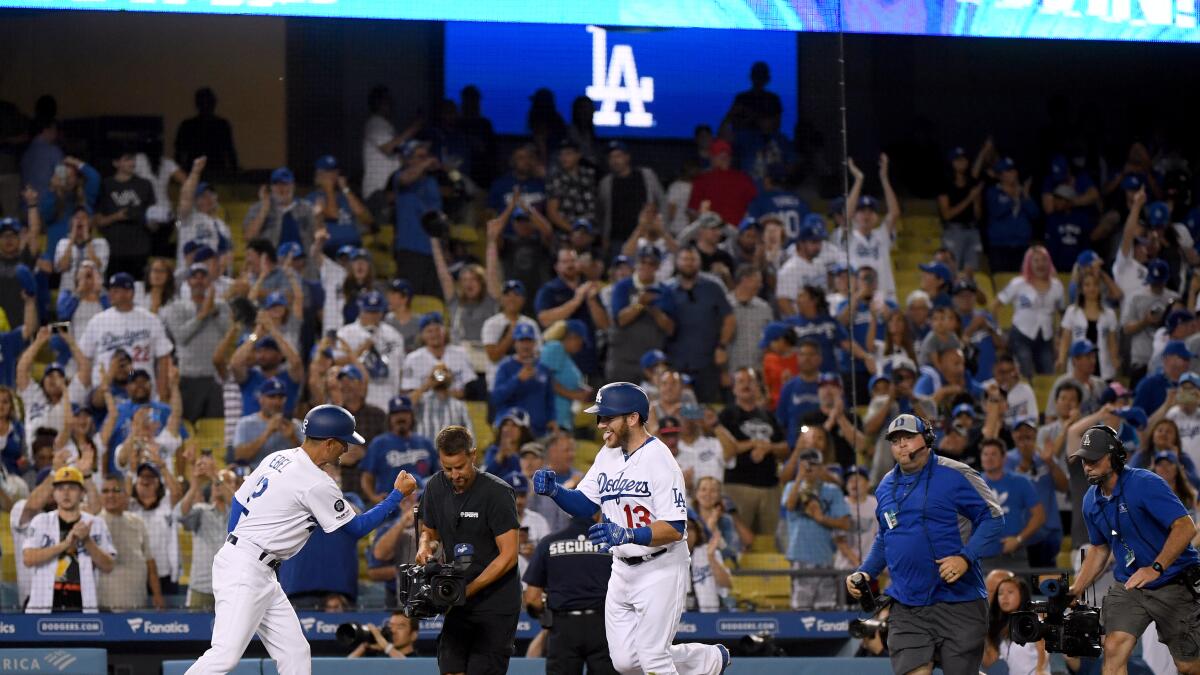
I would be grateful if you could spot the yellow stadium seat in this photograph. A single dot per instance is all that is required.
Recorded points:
(423, 304)
(482, 425)
(585, 454)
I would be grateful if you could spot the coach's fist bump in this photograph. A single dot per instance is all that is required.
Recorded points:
(405, 483)
(545, 482)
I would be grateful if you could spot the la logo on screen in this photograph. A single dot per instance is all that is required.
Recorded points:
(616, 81)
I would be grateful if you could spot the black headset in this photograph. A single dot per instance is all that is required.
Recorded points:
(925, 429)
(1116, 451)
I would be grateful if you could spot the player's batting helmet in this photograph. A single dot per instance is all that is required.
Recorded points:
(621, 398)
(331, 421)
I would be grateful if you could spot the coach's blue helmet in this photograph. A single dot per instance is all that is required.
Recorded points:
(621, 398)
(331, 421)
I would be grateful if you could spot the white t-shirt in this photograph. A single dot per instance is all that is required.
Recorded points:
(704, 457)
(333, 276)
(539, 527)
(678, 195)
(200, 227)
(1129, 276)
(1075, 321)
(137, 331)
(420, 363)
(1033, 312)
(704, 584)
(377, 166)
(389, 343)
(799, 272)
(875, 249)
(863, 528)
(39, 412)
(1189, 431)
(78, 255)
(161, 182)
(637, 491)
(489, 334)
(282, 497)
(162, 531)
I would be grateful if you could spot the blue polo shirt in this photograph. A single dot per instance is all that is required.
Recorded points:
(1043, 483)
(389, 454)
(809, 541)
(1009, 224)
(1152, 391)
(789, 208)
(1135, 521)
(797, 398)
(1017, 498)
(624, 291)
(700, 311)
(328, 563)
(412, 202)
(254, 380)
(556, 292)
(535, 395)
(827, 332)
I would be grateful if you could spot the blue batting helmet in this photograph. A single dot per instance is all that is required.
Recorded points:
(331, 421)
(621, 398)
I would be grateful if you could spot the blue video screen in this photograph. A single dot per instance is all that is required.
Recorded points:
(646, 83)
(1126, 20)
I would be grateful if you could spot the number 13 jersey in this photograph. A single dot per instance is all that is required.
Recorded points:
(637, 490)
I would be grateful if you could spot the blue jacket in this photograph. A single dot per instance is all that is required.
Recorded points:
(1137, 524)
(919, 519)
(535, 395)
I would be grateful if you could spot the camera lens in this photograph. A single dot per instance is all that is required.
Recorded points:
(1025, 627)
(350, 634)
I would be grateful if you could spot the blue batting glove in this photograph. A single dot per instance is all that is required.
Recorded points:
(607, 535)
(545, 482)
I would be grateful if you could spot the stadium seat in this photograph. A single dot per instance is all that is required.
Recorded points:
(480, 423)
(423, 304)
(1042, 384)
(210, 434)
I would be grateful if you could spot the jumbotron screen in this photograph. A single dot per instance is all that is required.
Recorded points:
(1128, 20)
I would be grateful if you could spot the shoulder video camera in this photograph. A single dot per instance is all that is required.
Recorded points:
(425, 591)
(1075, 632)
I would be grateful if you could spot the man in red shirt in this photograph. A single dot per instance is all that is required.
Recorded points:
(727, 190)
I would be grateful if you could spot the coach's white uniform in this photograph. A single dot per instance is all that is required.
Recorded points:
(284, 499)
(645, 601)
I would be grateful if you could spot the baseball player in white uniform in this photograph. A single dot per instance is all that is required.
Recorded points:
(278, 505)
(638, 486)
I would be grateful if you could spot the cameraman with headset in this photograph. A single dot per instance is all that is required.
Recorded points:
(939, 613)
(1136, 516)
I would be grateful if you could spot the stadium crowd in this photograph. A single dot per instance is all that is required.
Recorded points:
(151, 352)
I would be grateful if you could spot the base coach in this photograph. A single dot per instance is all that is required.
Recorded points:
(573, 573)
(927, 506)
(1135, 515)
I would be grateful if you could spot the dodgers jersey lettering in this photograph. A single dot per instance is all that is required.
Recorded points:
(284, 499)
(637, 491)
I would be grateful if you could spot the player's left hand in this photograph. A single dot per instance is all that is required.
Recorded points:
(607, 535)
(1141, 577)
(951, 568)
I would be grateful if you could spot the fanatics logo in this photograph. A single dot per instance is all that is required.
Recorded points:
(339, 506)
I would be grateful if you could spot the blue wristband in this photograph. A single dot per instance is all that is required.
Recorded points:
(642, 536)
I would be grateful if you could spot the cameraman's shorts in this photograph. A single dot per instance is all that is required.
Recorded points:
(949, 632)
(476, 643)
(1172, 608)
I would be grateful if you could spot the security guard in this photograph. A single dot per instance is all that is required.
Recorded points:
(1136, 516)
(573, 574)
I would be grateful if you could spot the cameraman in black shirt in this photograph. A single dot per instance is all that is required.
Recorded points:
(462, 505)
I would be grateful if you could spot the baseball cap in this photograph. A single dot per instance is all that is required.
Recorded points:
(956, 152)
(1134, 415)
(967, 285)
(812, 228)
(351, 371)
(401, 286)
(1157, 271)
(901, 362)
(517, 415)
(430, 318)
(857, 470)
(1177, 317)
(837, 205)
(292, 248)
(147, 466)
(691, 411)
(1004, 164)
(582, 224)
(68, 474)
(876, 379)
(652, 358)
(1027, 421)
(1065, 191)
(621, 260)
(266, 342)
(837, 268)
(939, 270)
(963, 409)
(748, 223)
(1113, 392)
(1086, 258)
(668, 425)
(190, 247)
(651, 252)
(774, 331)
(359, 253)
(412, 146)
(524, 331)
(719, 147)
(710, 219)
(10, 225)
(868, 202)
(275, 299)
(345, 250)
(918, 296)
(1132, 183)
(1190, 378)
(202, 187)
(617, 145)
(1158, 214)
(532, 448)
(197, 268)
(578, 327)
(203, 253)
(1083, 347)
(121, 280)
(372, 301)
(53, 368)
(829, 378)
(907, 424)
(282, 175)
(1178, 348)
(326, 163)
(399, 404)
(139, 372)
(518, 482)
(1166, 455)
(272, 386)
(513, 286)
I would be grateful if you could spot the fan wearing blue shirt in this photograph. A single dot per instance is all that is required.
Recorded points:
(857, 313)
(1023, 511)
(272, 359)
(336, 206)
(416, 195)
(523, 382)
(1049, 479)
(798, 396)
(775, 202)
(1010, 213)
(1152, 390)
(398, 449)
(1136, 516)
